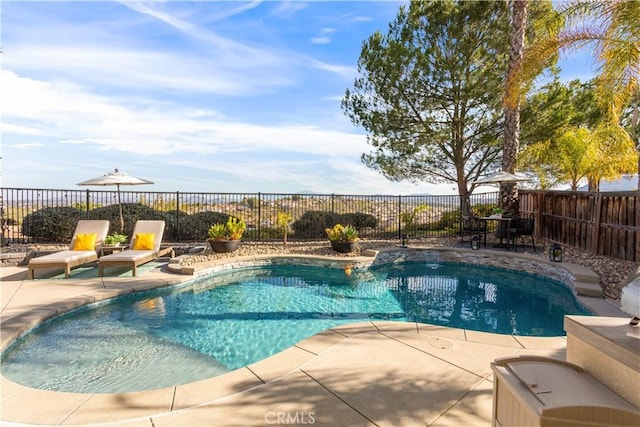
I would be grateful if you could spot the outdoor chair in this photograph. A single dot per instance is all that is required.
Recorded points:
(85, 243)
(518, 228)
(473, 226)
(144, 247)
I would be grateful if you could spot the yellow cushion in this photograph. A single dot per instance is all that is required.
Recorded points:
(85, 242)
(144, 241)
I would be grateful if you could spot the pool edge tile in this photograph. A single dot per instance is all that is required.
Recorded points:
(321, 341)
(108, 408)
(211, 389)
(281, 363)
(352, 329)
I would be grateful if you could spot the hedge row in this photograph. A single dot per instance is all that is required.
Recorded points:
(57, 224)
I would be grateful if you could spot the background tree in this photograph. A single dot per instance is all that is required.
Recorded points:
(555, 107)
(429, 93)
(577, 153)
(617, 154)
(631, 121)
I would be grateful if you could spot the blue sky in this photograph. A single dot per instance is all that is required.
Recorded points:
(196, 96)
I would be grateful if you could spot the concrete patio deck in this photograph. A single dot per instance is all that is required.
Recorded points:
(373, 373)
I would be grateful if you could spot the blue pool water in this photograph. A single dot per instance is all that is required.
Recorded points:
(160, 339)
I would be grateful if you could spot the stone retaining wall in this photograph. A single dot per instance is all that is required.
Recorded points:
(515, 262)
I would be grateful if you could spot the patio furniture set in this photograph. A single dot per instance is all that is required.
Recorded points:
(510, 229)
(87, 244)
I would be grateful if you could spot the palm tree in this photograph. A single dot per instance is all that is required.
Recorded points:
(579, 153)
(634, 121)
(611, 27)
(617, 154)
(511, 142)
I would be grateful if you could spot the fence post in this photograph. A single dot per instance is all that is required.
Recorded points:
(259, 238)
(88, 209)
(598, 221)
(636, 232)
(399, 216)
(177, 216)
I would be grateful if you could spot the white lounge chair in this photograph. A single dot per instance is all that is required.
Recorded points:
(144, 247)
(86, 240)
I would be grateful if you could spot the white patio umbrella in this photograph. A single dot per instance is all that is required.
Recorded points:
(500, 177)
(116, 178)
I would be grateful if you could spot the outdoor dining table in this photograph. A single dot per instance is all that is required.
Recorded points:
(501, 230)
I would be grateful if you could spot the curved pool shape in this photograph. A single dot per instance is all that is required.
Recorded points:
(163, 338)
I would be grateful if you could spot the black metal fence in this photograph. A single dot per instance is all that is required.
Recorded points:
(420, 216)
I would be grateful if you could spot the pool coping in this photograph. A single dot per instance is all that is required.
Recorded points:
(32, 301)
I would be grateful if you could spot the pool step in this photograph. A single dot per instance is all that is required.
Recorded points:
(588, 289)
(586, 283)
(581, 273)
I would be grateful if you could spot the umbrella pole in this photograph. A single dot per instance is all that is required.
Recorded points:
(120, 206)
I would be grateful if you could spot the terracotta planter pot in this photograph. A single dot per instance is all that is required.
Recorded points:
(344, 247)
(223, 246)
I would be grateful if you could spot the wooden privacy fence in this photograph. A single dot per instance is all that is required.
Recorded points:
(602, 223)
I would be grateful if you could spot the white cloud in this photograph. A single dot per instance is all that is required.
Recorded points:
(225, 45)
(288, 8)
(321, 40)
(324, 36)
(345, 71)
(105, 58)
(225, 74)
(27, 146)
(66, 113)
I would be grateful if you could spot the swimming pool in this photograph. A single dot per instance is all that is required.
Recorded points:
(219, 324)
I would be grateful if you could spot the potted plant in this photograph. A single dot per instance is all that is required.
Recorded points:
(226, 237)
(343, 239)
(115, 239)
(496, 212)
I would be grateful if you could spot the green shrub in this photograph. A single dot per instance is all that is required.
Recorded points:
(311, 224)
(449, 221)
(484, 209)
(196, 227)
(52, 224)
(171, 219)
(359, 220)
(131, 212)
(251, 202)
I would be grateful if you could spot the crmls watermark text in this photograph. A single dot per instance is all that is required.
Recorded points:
(290, 418)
